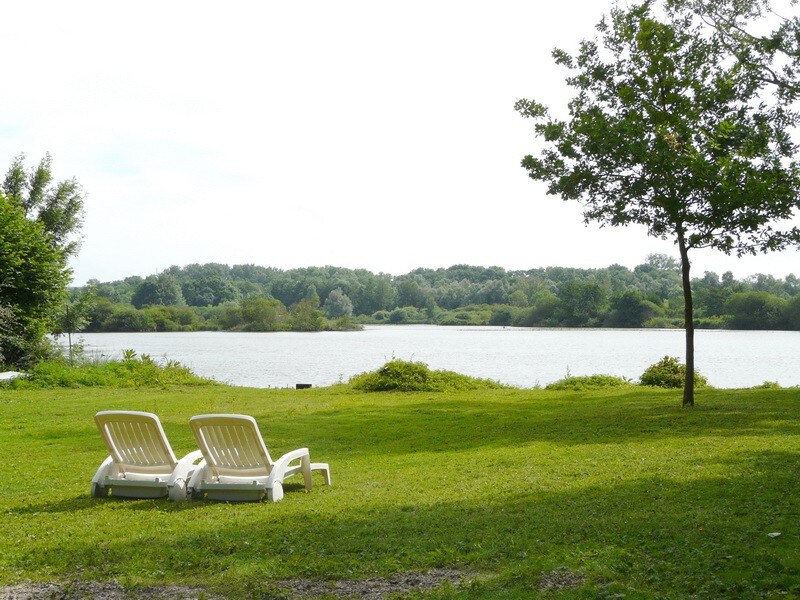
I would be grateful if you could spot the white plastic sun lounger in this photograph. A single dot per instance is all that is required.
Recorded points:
(142, 464)
(237, 465)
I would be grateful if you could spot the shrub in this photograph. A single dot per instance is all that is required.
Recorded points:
(588, 382)
(406, 376)
(768, 385)
(129, 372)
(501, 315)
(344, 323)
(406, 314)
(669, 372)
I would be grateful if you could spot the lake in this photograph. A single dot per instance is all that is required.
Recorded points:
(522, 357)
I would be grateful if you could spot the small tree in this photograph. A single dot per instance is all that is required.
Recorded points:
(666, 132)
(74, 316)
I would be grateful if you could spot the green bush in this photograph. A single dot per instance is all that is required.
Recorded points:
(344, 323)
(669, 372)
(768, 385)
(127, 373)
(406, 376)
(715, 322)
(588, 382)
(501, 315)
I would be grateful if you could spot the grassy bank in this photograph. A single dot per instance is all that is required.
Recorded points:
(608, 492)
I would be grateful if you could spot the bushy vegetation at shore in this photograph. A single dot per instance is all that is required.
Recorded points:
(529, 492)
(253, 298)
(588, 382)
(408, 376)
(131, 371)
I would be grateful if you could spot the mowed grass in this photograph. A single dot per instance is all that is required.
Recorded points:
(625, 489)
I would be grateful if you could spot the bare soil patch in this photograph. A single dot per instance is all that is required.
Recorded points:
(374, 588)
(561, 579)
(86, 590)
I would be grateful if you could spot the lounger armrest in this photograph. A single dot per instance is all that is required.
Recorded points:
(280, 466)
(185, 467)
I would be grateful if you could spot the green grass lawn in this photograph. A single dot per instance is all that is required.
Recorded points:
(626, 490)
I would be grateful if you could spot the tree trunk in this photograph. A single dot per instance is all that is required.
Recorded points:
(688, 322)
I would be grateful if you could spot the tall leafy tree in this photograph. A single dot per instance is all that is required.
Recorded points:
(155, 290)
(338, 304)
(39, 222)
(664, 131)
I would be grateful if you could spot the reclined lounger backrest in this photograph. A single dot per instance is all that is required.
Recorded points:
(232, 445)
(136, 441)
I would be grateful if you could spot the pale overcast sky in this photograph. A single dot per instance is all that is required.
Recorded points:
(362, 134)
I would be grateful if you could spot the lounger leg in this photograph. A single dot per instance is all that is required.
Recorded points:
(305, 468)
(326, 471)
(275, 493)
(98, 491)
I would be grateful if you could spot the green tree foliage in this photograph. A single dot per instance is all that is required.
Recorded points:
(665, 131)
(312, 296)
(761, 40)
(501, 316)
(171, 318)
(127, 318)
(755, 310)
(39, 221)
(534, 296)
(632, 309)
(791, 314)
(543, 311)
(9, 331)
(304, 316)
(162, 289)
(210, 290)
(582, 302)
(411, 293)
(337, 304)
(518, 298)
(261, 314)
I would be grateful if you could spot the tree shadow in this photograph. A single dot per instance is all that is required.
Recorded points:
(654, 535)
(87, 503)
(448, 424)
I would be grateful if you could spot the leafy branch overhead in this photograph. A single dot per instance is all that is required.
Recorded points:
(664, 133)
(763, 39)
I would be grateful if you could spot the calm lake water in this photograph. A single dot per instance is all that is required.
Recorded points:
(517, 356)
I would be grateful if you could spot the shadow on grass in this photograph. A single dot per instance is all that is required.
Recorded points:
(653, 535)
(80, 503)
(86, 502)
(448, 424)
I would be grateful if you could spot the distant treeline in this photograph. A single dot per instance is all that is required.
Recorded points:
(252, 298)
